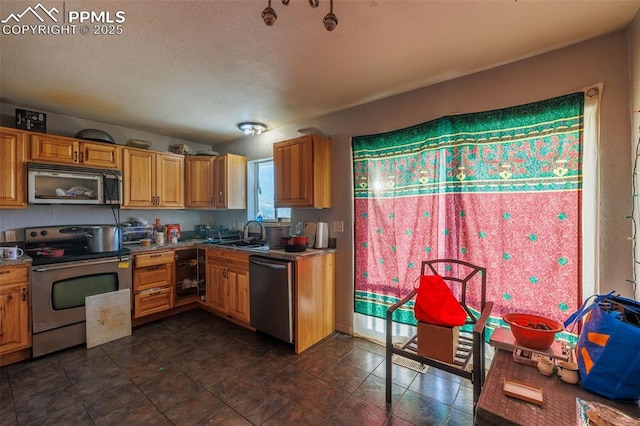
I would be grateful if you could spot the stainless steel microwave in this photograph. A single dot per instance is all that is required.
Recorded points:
(51, 184)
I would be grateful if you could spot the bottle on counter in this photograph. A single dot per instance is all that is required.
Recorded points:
(154, 235)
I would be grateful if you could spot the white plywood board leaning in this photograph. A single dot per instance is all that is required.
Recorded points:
(108, 317)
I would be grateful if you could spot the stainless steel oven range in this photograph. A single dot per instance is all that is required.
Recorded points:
(63, 273)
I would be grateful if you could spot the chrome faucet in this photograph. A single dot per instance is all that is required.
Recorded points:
(247, 226)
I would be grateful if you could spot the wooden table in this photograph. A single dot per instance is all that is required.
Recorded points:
(558, 409)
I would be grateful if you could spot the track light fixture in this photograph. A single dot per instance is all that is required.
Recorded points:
(330, 20)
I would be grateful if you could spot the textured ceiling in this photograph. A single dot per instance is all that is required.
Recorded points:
(194, 69)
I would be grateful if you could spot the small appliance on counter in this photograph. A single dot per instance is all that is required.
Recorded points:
(275, 234)
(172, 231)
(322, 235)
(134, 233)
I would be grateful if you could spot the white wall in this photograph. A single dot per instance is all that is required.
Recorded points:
(604, 59)
(634, 54)
(64, 125)
(552, 74)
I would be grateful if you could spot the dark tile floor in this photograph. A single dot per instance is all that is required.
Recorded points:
(195, 369)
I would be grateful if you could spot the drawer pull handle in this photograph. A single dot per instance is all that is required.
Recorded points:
(4, 272)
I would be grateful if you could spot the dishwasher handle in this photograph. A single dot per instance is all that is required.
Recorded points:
(267, 264)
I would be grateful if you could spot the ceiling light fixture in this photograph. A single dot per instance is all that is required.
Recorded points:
(252, 128)
(330, 20)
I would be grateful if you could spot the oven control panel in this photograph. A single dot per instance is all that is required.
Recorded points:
(49, 234)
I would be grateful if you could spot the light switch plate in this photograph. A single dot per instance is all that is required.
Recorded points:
(9, 236)
(338, 226)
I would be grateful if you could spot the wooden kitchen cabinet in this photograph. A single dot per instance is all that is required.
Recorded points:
(230, 181)
(238, 306)
(199, 172)
(190, 272)
(63, 150)
(13, 174)
(302, 170)
(228, 284)
(153, 283)
(152, 179)
(15, 333)
(314, 303)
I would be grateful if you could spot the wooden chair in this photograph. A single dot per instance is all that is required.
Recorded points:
(471, 346)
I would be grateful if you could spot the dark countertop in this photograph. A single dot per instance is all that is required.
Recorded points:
(273, 253)
(22, 260)
(137, 248)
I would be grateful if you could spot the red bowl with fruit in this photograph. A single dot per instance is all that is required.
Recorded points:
(533, 331)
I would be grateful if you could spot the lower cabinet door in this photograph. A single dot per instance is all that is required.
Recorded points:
(239, 295)
(14, 318)
(153, 301)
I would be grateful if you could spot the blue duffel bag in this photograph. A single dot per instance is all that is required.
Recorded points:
(608, 349)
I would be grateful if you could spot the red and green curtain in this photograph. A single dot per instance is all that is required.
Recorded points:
(500, 189)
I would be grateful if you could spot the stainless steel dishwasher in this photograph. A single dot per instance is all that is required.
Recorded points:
(271, 296)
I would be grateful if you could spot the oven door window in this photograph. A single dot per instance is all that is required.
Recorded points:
(71, 292)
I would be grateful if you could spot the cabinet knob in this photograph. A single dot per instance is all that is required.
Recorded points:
(24, 294)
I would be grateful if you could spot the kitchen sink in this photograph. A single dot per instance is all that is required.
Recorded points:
(241, 244)
(244, 244)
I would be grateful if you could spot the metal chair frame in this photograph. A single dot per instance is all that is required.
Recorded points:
(468, 347)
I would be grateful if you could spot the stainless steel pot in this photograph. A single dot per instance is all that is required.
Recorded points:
(103, 238)
(275, 235)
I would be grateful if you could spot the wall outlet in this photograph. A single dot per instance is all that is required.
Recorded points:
(9, 236)
(338, 226)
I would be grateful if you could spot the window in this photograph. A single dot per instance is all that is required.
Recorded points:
(261, 192)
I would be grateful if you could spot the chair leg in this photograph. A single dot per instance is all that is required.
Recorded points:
(389, 354)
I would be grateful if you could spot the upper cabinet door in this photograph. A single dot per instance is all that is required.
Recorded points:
(139, 178)
(100, 155)
(230, 181)
(152, 179)
(63, 150)
(13, 156)
(220, 181)
(302, 172)
(54, 149)
(170, 180)
(199, 182)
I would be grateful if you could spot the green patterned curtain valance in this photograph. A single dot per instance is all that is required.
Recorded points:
(533, 147)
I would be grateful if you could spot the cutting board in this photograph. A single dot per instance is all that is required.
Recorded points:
(310, 231)
(108, 317)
